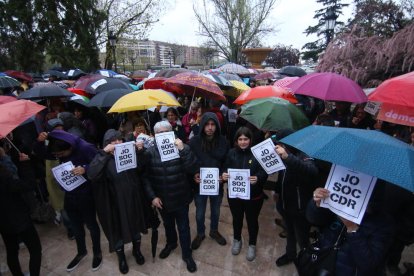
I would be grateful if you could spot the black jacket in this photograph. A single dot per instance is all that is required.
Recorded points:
(244, 159)
(169, 180)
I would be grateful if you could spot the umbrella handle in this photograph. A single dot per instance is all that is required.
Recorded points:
(192, 99)
(11, 143)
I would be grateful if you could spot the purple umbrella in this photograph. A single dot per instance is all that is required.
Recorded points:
(329, 87)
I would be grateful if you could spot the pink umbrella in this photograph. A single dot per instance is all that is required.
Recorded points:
(7, 99)
(283, 83)
(329, 87)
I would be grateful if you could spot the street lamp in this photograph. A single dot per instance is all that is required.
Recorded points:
(112, 43)
(330, 21)
(169, 56)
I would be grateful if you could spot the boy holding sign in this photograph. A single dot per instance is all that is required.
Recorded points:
(241, 158)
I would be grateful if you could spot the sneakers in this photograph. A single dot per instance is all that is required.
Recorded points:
(251, 253)
(167, 251)
(75, 262)
(96, 261)
(283, 260)
(191, 265)
(218, 237)
(236, 248)
(197, 242)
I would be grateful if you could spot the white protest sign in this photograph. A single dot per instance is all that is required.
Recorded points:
(104, 73)
(71, 72)
(232, 115)
(349, 193)
(166, 147)
(98, 83)
(125, 157)
(66, 178)
(209, 181)
(239, 183)
(267, 157)
(372, 108)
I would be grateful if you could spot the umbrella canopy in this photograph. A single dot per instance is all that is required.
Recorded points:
(396, 96)
(142, 100)
(231, 77)
(139, 74)
(283, 83)
(74, 74)
(265, 92)
(264, 76)
(7, 99)
(292, 71)
(271, 114)
(233, 68)
(84, 81)
(56, 73)
(108, 98)
(106, 84)
(82, 100)
(8, 82)
(329, 87)
(220, 81)
(19, 75)
(15, 113)
(367, 151)
(171, 72)
(154, 83)
(79, 92)
(191, 83)
(45, 91)
(106, 73)
(238, 88)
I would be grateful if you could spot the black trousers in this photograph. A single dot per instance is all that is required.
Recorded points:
(250, 208)
(31, 239)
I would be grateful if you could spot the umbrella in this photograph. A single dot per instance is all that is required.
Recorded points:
(108, 98)
(231, 77)
(19, 75)
(233, 68)
(139, 74)
(396, 96)
(8, 82)
(265, 92)
(79, 92)
(106, 84)
(238, 88)
(367, 151)
(74, 74)
(171, 72)
(142, 100)
(82, 100)
(16, 112)
(220, 81)
(292, 71)
(154, 83)
(194, 84)
(264, 76)
(106, 73)
(271, 114)
(284, 82)
(56, 73)
(329, 87)
(84, 81)
(7, 99)
(45, 91)
(155, 222)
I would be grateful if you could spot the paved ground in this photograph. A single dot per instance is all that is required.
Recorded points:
(211, 258)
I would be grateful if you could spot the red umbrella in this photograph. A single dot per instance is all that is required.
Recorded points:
(154, 83)
(194, 84)
(19, 75)
(7, 99)
(12, 114)
(396, 96)
(83, 82)
(265, 92)
(80, 92)
(329, 87)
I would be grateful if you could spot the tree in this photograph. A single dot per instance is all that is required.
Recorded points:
(283, 55)
(232, 25)
(315, 48)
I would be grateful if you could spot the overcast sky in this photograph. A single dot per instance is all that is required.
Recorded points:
(290, 17)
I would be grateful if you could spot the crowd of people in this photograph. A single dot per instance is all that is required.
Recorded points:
(127, 203)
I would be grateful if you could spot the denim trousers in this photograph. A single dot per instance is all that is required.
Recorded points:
(201, 205)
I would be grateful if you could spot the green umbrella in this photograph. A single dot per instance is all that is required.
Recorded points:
(271, 114)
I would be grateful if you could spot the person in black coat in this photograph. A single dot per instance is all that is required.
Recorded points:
(16, 224)
(121, 205)
(241, 157)
(167, 186)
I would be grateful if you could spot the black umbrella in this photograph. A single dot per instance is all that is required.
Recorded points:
(74, 74)
(8, 82)
(45, 91)
(108, 98)
(155, 222)
(56, 73)
(106, 84)
(292, 71)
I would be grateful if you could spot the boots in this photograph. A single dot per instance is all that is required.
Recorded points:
(123, 266)
(136, 252)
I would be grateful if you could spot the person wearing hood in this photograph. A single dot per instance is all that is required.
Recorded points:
(122, 208)
(241, 157)
(78, 203)
(210, 148)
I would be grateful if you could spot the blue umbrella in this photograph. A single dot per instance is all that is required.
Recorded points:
(368, 151)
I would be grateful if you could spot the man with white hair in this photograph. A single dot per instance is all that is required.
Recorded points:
(166, 184)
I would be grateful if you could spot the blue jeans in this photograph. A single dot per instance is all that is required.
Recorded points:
(201, 204)
(179, 217)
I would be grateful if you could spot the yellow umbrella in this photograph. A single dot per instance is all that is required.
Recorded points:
(142, 100)
(239, 87)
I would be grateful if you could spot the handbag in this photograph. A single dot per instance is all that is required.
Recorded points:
(316, 261)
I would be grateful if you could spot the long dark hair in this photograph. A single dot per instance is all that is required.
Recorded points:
(243, 131)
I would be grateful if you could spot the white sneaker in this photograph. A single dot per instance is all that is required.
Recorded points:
(251, 253)
(236, 248)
